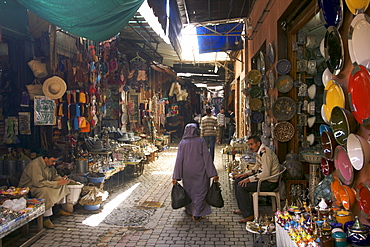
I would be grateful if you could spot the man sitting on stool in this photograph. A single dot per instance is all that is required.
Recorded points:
(267, 164)
(41, 177)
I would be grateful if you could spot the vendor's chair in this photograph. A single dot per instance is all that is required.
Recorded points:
(274, 193)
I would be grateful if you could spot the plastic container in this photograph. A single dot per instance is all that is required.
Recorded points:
(92, 207)
(74, 193)
(96, 180)
(81, 166)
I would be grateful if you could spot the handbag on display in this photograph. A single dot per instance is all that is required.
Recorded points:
(179, 197)
(214, 196)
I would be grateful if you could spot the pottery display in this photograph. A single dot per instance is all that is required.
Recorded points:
(343, 123)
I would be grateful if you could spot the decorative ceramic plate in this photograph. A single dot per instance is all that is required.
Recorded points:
(255, 104)
(283, 131)
(271, 78)
(284, 108)
(256, 92)
(271, 53)
(284, 83)
(358, 37)
(257, 117)
(358, 90)
(283, 66)
(355, 5)
(254, 77)
(332, 11)
(363, 193)
(263, 64)
(334, 53)
(343, 164)
(333, 96)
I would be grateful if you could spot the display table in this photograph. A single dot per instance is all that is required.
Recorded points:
(282, 238)
(36, 212)
(261, 237)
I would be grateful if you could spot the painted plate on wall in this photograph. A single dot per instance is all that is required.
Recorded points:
(356, 6)
(283, 66)
(255, 104)
(284, 108)
(254, 77)
(256, 92)
(363, 193)
(271, 53)
(257, 117)
(358, 90)
(334, 53)
(358, 40)
(332, 11)
(284, 83)
(271, 78)
(333, 96)
(283, 131)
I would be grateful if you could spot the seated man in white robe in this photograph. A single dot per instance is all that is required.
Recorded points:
(44, 182)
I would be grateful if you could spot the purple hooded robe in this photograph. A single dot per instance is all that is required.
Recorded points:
(194, 167)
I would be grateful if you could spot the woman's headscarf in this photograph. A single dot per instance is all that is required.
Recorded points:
(191, 130)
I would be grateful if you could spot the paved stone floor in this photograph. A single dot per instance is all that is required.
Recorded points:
(138, 213)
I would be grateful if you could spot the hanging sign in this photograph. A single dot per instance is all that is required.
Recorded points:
(24, 123)
(44, 109)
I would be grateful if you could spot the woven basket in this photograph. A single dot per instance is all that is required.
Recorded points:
(34, 89)
(38, 68)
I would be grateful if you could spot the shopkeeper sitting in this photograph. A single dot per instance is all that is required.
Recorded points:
(267, 164)
(41, 177)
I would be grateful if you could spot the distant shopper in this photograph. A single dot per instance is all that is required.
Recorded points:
(41, 177)
(221, 121)
(194, 167)
(209, 131)
(231, 124)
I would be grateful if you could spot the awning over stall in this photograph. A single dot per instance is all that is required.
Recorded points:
(222, 37)
(96, 20)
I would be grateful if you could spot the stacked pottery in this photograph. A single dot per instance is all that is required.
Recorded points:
(358, 233)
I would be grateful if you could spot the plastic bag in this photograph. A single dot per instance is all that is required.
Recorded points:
(214, 196)
(179, 197)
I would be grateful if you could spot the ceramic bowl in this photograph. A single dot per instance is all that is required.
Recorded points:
(323, 114)
(326, 76)
(327, 166)
(328, 144)
(358, 150)
(336, 187)
(324, 127)
(343, 123)
(343, 165)
(311, 121)
(333, 96)
(322, 47)
(311, 138)
(312, 91)
(348, 197)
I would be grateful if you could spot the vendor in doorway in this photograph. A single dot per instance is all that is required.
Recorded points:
(41, 177)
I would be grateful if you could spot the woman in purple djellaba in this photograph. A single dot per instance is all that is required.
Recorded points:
(194, 166)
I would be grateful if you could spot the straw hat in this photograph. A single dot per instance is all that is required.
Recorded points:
(54, 87)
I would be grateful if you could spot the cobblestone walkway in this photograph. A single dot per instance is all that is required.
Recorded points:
(139, 213)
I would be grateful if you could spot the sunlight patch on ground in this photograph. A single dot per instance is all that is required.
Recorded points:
(95, 219)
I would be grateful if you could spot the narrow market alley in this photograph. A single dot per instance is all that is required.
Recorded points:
(139, 213)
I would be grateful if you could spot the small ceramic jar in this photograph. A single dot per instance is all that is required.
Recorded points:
(358, 233)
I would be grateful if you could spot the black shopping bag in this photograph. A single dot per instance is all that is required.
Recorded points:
(179, 197)
(214, 196)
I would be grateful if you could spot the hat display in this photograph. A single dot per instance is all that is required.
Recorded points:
(54, 87)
